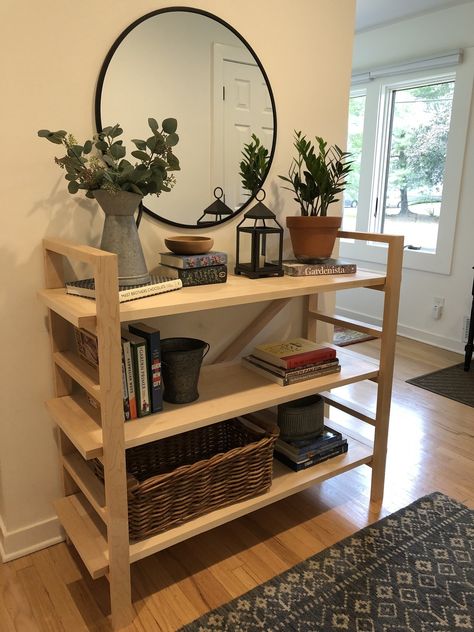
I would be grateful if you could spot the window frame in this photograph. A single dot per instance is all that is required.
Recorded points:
(378, 94)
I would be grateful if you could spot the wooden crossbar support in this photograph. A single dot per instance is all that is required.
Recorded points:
(255, 327)
(349, 407)
(348, 323)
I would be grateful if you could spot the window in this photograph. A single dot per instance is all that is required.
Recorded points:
(354, 145)
(407, 134)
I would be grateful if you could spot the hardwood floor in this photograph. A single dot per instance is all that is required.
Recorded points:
(431, 447)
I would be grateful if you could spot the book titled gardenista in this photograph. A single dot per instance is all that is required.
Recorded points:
(292, 267)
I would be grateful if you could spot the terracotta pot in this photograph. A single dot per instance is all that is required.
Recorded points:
(313, 238)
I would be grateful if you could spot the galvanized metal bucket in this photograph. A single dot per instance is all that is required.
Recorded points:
(181, 360)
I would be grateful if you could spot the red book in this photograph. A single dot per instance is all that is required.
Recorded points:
(294, 353)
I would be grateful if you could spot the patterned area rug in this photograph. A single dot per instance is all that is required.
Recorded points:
(344, 337)
(410, 572)
(452, 382)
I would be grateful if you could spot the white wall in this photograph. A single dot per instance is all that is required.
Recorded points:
(55, 50)
(439, 31)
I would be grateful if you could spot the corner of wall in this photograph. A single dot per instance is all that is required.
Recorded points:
(14, 544)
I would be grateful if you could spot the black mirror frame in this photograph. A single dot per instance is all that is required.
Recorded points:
(100, 85)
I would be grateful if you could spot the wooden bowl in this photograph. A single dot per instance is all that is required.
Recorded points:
(186, 245)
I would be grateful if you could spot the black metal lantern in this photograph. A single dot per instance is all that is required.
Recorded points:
(216, 211)
(266, 236)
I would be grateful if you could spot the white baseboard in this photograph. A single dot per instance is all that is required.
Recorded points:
(450, 344)
(20, 542)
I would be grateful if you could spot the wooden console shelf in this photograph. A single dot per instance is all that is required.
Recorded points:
(94, 513)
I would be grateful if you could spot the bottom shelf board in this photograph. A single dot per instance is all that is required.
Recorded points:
(87, 534)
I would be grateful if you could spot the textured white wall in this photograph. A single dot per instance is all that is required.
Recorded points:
(55, 50)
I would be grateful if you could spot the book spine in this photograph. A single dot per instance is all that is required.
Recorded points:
(203, 276)
(342, 449)
(126, 401)
(310, 368)
(149, 290)
(318, 355)
(312, 270)
(311, 376)
(307, 452)
(127, 353)
(154, 365)
(194, 261)
(142, 390)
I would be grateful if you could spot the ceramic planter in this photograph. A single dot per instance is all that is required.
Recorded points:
(313, 238)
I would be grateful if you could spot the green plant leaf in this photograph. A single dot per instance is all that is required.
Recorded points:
(153, 124)
(141, 155)
(170, 125)
(172, 140)
(117, 151)
(101, 145)
(73, 187)
(139, 144)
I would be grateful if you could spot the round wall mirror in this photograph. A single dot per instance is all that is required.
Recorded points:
(190, 65)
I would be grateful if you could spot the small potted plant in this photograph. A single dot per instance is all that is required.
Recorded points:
(99, 167)
(317, 176)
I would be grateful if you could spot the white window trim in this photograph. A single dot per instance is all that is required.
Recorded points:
(376, 92)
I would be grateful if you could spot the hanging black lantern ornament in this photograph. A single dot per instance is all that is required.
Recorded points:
(259, 236)
(216, 211)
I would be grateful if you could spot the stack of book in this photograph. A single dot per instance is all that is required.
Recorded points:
(142, 387)
(291, 361)
(203, 269)
(298, 454)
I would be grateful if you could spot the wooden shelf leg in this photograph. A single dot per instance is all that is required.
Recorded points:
(387, 353)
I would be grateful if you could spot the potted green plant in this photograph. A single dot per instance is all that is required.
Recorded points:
(100, 168)
(254, 165)
(316, 176)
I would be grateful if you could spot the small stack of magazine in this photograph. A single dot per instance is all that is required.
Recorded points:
(298, 454)
(291, 361)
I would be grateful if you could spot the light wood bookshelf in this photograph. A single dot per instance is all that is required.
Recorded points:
(94, 513)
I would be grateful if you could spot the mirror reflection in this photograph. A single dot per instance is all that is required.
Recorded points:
(188, 65)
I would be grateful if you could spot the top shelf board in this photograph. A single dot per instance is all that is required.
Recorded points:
(238, 290)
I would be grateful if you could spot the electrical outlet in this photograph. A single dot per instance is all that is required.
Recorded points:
(438, 301)
(465, 328)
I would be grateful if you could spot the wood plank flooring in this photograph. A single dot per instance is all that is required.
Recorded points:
(431, 447)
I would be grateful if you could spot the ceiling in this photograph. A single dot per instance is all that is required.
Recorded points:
(372, 13)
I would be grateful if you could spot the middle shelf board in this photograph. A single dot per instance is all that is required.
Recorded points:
(225, 390)
(88, 533)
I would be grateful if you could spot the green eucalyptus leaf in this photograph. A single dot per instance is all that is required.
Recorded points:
(139, 144)
(172, 140)
(170, 125)
(87, 147)
(101, 145)
(117, 151)
(141, 155)
(73, 187)
(153, 124)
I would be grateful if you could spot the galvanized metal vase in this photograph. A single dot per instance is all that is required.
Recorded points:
(120, 235)
(181, 360)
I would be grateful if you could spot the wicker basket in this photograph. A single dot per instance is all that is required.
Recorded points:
(190, 474)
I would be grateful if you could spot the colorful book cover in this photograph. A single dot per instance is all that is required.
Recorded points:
(318, 458)
(292, 267)
(140, 369)
(158, 285)
(152, 336)
(291, 354)
(132, 400)
(196, 276)
(87, 346)
(211, 258)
